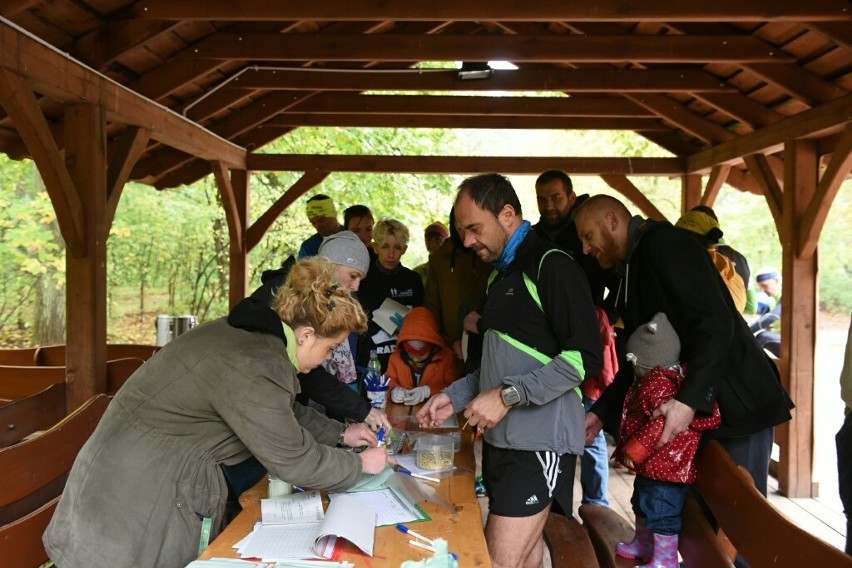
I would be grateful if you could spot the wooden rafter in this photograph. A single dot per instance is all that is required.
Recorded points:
(830, 117)
(126, 151)
(547, 48)
(814, 217)
(303, 185)
(289, 120)
(555, 79)
(458, 164)
(741, 108)
(625, 187)
(718, 176)
(495, 10)
(675, 112)
(229, 203)
(772, 191)
(17, 97)
(55, 74)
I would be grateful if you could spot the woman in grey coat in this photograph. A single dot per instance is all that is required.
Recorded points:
(149, 478)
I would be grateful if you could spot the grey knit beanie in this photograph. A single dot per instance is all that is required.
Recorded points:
(347, 249)
(654, 344)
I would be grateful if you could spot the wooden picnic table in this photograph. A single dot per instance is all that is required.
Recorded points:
(462, 530)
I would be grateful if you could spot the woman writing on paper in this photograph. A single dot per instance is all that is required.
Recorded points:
(147, 485)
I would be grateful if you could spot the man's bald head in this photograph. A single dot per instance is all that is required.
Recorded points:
(602, 225)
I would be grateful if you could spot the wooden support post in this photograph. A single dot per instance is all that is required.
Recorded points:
(86, 160)
(798, 317)
(238, 258)
(690, 192)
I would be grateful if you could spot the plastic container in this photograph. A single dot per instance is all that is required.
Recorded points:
(278, 487)
(435, 452)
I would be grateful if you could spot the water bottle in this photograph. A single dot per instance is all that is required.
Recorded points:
(373, 382)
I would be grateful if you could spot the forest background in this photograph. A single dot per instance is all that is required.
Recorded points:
(168, 250)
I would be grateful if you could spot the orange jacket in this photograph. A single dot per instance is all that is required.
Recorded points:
(441, 371)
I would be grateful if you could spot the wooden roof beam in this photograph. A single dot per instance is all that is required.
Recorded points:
(577, 105)
(291, 120)
(497, 10)
(56, 75)
(460, 164)
(819, 121)
(303, 185)
(556, 79)
(628, 189)
(678, 114)
(545, 48)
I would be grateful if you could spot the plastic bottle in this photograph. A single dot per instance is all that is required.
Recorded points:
(376, 392)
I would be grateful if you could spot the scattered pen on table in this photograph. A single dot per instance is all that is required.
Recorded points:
(427, 543)
(400, 469)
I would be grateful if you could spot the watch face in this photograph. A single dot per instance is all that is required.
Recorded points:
(510, 396)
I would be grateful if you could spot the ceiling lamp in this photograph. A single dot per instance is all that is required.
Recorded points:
(471, 71)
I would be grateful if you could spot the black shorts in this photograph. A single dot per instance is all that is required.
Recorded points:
(521, 483)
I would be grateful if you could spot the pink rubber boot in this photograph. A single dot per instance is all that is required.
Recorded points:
(642, 545)
(665, 552)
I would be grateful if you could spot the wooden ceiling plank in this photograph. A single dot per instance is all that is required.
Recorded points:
(675, 112)
(625, 187)
(171, 76)
(760, 170)
(17, 97)
(229, 203)
(9, 8)
(546, 48)
(798, 83)
(829, 184)
(291, 120)
(578, 105)
(126, 150)
(303, 185)
(741, 108)
(718, 175)
(556, 79)
(838, 32)
(496, 10)
(671, 141)
(104, 45)
(817, 121)
(461, 164)
(55, 74)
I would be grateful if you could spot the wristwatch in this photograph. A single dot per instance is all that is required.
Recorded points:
(510, 395)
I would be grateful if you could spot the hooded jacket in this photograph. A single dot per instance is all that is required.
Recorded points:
(150, 473)
(668, 271)
(675, 461)
(442, 368)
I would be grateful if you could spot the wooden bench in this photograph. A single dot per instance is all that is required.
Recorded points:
(119, 370)
(22, 381)
(23, 356)
(34, 474)
(54, 355)
(747, 523)
(27, 415)
(568, 543)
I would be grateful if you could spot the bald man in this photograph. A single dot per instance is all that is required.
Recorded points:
(665, 270)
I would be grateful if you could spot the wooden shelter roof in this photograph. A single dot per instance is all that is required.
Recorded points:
(710, 82)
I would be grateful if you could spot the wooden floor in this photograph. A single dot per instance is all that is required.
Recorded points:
(822, 517)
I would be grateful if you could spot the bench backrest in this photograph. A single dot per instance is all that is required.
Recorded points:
(22, 417)
(21, 381)
(759, 532)
(568, 543)
(119, 370)
(24, 356)
(54, 355)
(20, 540)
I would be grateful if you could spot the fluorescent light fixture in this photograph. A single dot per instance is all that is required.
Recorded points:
(504, 65)
(472, 71)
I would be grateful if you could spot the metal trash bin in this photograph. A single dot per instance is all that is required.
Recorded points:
(169, 327)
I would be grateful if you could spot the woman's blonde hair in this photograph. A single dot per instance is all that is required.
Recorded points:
(393, 227)
(313, 297)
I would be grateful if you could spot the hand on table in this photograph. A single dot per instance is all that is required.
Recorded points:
(486, 410)
(435, 411)
(375, 460)
(416, 395)
(678, 418)
(377, 419)
(359, 435)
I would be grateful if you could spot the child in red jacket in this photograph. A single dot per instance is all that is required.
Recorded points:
(421, 364)
(663, 475)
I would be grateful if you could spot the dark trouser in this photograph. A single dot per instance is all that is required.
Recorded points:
(660, 502)
(844, 473)
(240, 477)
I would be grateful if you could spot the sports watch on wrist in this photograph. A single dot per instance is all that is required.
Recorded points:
(510, 395)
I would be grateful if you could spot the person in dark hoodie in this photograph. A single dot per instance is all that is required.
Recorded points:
(666, 270)
(148, 484)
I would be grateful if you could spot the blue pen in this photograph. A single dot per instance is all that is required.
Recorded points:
(404, 529)
(381, 436)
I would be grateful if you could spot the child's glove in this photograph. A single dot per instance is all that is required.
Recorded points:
(417, 395)
(398, 395)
